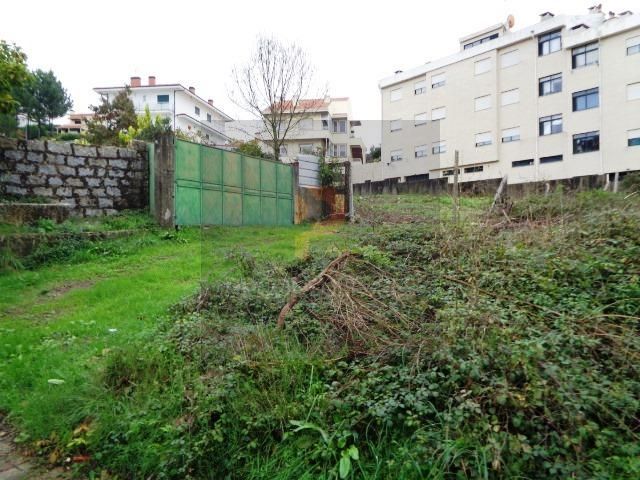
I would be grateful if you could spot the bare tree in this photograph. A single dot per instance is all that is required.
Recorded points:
(274, 86)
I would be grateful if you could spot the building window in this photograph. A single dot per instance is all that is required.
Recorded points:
(510, 59)
(209, 117)
(396, 155)
(633, 45)
(522, 163)
(306, 124)
(438, 80)
(306, 148)
(586, 142)
(339, 150)
(416, 178)
(438, 113)
(420, 87)
(482, 66)
(549, 85)
(283, 150)
(340, 126)
(483, 103)
(439, 147)
(633, 138)
(396, 94)
(633, 91)
(510, 135)
(396, 125)
(480, 41)
(420, 151)
(448, 173)
(586, 99)
(549, 43)
(585, 55)
(420, 119)
(196, 110)
(325, 124)
(476, 169)
(551, 159)
(163, 98)
(550, 125)
(483, 139)
(510, 97)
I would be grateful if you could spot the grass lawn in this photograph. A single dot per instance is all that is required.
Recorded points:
(59, 322)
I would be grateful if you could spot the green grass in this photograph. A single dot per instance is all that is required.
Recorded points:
(60, 321)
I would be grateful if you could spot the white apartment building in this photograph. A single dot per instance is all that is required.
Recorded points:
(188, 112)
(326, 129)
(554, 100)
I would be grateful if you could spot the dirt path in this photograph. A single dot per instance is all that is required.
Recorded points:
(14, 466)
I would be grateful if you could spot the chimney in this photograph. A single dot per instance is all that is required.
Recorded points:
(192, 90)
(152, 80)
(596, 9)
(210, 102)
(135, 81)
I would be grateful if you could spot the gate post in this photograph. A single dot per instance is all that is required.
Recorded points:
(165, 181)
(348, 180)
(297, 208)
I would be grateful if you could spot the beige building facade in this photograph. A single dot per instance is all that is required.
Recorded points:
(326, 128)
(555, 100)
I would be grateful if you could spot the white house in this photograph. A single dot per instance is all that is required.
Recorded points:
(189, 113)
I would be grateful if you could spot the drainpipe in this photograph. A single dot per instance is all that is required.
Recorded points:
(536, 157)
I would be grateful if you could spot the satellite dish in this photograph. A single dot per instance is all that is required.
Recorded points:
(511, 21)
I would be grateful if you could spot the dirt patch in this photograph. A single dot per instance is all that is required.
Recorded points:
(67, 287)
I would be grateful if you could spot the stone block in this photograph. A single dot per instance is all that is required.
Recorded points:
(97, 162)
(43, 192)
(87, 201)
(124, 182)
(59, 148)
(36, 146)
(84, 151)
(117, 173)
(12, 178)
(25, 168)
(55, 159)
(113, 191)
(55, 181)
(93, 182)
(14, 154)
(64, 170)
(36, 180)
(35, 157)
(63, 192)
(76, 161)
(74, 182)
(110, 211)
(92, 212)
(47, 169)
(108, 152)
(110, 182)
(98, 192)
(105, 203)
(70, 201)
(118, 164)
(128, 153)
(85, 172)
(13, 190)
(80, 192)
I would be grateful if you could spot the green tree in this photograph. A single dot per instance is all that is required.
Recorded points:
(13, 75)
(149, 128)
(43, 98)
(252, 148)
(112, 117)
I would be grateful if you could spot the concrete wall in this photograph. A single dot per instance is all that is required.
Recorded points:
(92, 180)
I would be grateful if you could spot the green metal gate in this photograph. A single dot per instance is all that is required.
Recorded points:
(218, 187)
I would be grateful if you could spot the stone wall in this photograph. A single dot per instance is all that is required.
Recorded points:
(92, 180)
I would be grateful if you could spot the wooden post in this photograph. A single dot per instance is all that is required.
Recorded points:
(165, 181)
(349, 190)
(456, 191)
(498, 195)
(616, 178)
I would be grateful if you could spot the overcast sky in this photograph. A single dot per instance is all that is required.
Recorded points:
(353, 44)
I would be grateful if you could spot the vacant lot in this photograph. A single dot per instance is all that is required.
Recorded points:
(502, 346)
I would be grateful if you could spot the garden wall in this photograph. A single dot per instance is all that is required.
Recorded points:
(92, 180)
